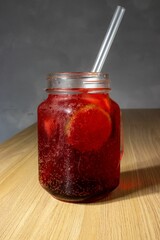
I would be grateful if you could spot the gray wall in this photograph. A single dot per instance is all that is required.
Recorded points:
(39, 36)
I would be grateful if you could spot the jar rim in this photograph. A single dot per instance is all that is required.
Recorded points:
(72, 75)
(73, 80)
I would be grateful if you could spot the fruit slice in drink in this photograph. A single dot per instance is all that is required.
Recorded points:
(100, 100)
(49, 126)
(88, 128)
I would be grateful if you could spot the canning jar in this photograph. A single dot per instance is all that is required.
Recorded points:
(79, 137)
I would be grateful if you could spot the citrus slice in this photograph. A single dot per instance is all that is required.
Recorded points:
(88, 128)
(49, 126)
(101, 100)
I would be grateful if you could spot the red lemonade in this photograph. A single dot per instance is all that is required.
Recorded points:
(79, 144)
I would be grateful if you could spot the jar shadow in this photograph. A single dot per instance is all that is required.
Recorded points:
(136, 182)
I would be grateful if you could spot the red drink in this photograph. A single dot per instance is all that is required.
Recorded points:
(79, 143)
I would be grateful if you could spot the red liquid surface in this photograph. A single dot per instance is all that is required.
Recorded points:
(79, 146)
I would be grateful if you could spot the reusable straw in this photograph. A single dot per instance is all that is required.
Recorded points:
(108, 39)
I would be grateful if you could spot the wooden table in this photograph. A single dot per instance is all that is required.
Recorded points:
(132, 211)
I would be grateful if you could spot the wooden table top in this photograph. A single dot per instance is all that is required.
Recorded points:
(132, 211)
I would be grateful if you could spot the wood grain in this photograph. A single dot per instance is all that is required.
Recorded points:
(132, 211)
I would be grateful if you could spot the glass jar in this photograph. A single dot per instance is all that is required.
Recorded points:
(79, 137)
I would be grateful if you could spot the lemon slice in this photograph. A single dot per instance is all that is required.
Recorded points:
(88, 128)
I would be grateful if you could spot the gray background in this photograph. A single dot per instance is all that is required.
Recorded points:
(39, 36)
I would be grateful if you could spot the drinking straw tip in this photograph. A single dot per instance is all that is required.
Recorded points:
(109, 37)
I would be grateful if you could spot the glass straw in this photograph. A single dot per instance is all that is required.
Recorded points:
(108, 39)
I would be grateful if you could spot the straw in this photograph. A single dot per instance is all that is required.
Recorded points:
(108, 39)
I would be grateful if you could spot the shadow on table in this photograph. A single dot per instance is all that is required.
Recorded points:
(140, 181)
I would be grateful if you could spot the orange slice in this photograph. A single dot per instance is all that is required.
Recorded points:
(88, 128)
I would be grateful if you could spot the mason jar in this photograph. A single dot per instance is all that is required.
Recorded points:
(79, 137)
